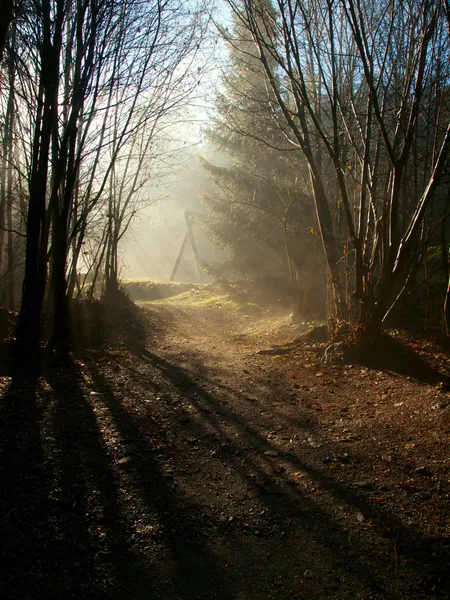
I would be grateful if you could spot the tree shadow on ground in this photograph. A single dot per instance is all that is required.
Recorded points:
(192, 571)
(59, 489)
(367, 565)
(24, 484)
(113, 321)
(90, 511)
(111, 501)
(93, 554)
(394, 356)
(67, 521)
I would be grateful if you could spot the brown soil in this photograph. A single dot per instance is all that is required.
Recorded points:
(190, 465)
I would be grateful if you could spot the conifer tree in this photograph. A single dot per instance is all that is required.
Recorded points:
(261, 209)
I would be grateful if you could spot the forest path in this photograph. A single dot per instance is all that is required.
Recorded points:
(279, 467)
(189, 466)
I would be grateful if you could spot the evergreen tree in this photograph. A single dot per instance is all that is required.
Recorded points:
(261, 209)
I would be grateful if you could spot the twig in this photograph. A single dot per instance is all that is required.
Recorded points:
(12, 231)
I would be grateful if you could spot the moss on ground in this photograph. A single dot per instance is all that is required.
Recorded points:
(247, 296)
(206, 297)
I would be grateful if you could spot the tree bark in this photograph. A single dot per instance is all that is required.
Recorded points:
(28, 327)
(6, 18)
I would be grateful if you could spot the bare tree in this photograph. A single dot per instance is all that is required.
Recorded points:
(93, 75)
(351, 81)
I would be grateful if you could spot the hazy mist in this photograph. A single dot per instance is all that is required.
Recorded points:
(153, 243)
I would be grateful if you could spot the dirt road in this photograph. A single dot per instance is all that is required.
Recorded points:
(189, 466)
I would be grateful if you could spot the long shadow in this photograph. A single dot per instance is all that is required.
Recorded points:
(280, 495)
(23, 485)
(63, 530)
(409, 545)
(91, 553)
(193, 571)
(392, 355)
(114, 321)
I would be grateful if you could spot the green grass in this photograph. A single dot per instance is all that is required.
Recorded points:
(206, 297)
(246, 296)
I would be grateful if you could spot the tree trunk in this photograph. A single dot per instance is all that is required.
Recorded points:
(60, 330)
(6, 166)
(447, 301)
(6, 17)
(28, 328)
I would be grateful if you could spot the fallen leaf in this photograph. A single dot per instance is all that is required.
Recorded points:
(271, 453)
(379, 500)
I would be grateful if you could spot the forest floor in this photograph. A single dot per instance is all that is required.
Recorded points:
(191, 459)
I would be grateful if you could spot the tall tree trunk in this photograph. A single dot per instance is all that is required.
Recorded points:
(9, 184)
(28, 329)
(58, 285)
(11, 258)
(6, 18)
(447, 301)
(6, 166)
